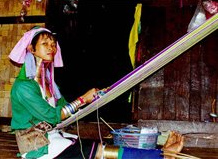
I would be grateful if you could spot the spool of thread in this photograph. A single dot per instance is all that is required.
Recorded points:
(111, 152)
(116, 152)
(107, 152)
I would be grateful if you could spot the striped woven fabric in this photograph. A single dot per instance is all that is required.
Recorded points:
(147, 68)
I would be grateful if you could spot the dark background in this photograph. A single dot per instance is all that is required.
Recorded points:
(94, 41)
(94, 44)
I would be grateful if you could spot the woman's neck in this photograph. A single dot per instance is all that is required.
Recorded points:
(38, 67)
(38, 77)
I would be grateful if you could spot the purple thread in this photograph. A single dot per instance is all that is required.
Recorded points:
(93, 145)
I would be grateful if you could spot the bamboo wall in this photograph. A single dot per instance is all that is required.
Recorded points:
(9, 36)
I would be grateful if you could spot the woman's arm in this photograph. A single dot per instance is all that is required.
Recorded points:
(72, 107)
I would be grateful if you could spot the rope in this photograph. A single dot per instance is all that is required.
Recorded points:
(80, 142)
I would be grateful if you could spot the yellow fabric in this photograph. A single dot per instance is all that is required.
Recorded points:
(133, 38)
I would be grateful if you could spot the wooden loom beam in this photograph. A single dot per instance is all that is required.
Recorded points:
(147, 68)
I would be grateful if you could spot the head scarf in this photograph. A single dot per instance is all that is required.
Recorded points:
(21, 54)
(19, 51)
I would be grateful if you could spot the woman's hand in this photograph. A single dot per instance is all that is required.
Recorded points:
(86, 98)
(90, 95)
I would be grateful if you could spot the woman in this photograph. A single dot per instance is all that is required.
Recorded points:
(36, 98)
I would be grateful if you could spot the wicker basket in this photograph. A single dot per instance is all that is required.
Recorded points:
(132, 138)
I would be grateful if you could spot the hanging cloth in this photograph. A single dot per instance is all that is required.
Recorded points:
(133, 38)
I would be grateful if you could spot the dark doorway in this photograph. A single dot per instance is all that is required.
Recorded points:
(94, 40)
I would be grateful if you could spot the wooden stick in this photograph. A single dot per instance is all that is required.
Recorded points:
(213, 106)
(179, 153)
(107, 124)
(213, 109)
(175, 155)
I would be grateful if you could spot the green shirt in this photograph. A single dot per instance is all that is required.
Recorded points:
(28, 105)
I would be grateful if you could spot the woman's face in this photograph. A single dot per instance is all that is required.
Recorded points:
(45, 48)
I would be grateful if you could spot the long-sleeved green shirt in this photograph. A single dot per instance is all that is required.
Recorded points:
(28, 105)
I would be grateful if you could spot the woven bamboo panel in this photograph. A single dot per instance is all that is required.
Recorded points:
(9, 36)
(13, 8)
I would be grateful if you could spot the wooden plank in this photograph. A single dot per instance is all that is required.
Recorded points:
(169, 73)
(209, 75)
(150, 103)
(164, 3)
(195, 84)
(27, 19)
(151, 93)
(197, 134)
(203, 153)
(8, 146)
(94, 129)
(181, 83)
(209, 81)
